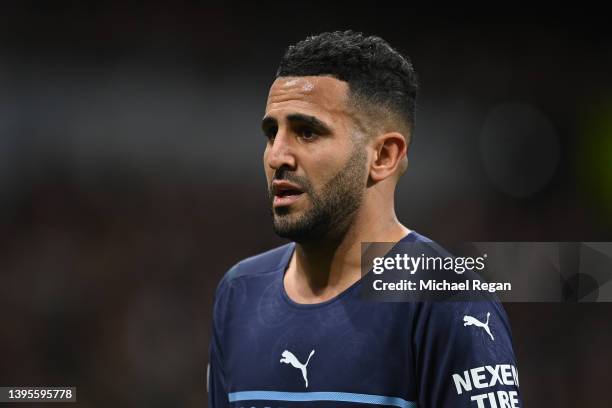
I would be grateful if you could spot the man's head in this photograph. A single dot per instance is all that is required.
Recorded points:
(339, 119)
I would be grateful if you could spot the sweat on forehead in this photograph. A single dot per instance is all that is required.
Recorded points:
(311, 85)
(306, 85)
(320, 95)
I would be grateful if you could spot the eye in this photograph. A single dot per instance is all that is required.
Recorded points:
(270, 133)
(307, 134)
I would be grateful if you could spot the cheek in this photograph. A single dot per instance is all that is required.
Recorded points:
(264, 158)
(265, 154)
(323, 168)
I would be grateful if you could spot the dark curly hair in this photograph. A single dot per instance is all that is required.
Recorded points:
(382, 82)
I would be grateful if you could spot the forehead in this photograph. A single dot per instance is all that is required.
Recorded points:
(316, 95)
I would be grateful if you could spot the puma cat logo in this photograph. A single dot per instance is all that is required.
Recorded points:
(290, 358)
(469, 321)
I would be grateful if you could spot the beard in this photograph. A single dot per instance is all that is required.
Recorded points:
(333, 208)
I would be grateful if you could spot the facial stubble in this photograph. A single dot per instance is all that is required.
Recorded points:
(333, 208)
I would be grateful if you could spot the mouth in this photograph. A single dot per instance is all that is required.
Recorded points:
(285, 193)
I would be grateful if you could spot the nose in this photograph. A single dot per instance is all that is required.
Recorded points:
(279, 152)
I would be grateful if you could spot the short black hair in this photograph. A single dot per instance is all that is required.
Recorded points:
(376, 73)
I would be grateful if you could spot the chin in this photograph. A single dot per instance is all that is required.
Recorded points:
(294, 210)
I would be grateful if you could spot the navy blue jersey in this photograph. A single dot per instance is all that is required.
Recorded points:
(268, 351)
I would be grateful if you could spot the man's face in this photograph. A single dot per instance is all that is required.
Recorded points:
(315, 163)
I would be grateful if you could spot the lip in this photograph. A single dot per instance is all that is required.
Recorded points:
(285, 200)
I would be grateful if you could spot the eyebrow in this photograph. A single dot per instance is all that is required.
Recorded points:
(316, 124)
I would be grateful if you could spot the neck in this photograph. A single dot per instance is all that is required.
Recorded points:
(319, 271)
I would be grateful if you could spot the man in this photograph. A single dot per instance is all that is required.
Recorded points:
(290, 328)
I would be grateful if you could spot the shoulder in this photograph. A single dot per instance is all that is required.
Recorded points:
(425, 244)
(257, 265)
(451, 318)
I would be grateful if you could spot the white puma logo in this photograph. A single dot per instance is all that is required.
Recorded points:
(290, 358)
(469, 321)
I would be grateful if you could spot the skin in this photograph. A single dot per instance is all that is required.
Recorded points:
(323, 268)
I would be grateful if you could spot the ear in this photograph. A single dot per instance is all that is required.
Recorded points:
(389, 156)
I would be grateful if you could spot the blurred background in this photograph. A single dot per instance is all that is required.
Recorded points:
(131, 176)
